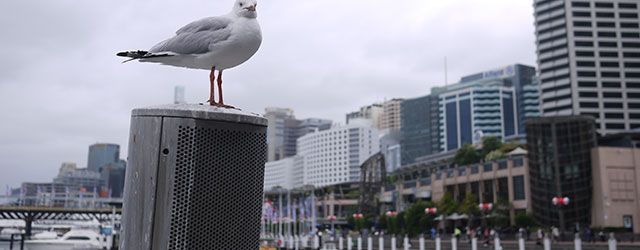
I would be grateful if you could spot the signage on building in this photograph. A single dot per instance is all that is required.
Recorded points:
(627, 221)
(504, 72)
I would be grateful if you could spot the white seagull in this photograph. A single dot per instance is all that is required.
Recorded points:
(212, 43)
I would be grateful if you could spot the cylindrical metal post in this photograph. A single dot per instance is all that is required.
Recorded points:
(454, 243)
(381, 242)
(577, 242)
(438, 243)
(349, 243)
(393, 242)
(406, 242)
(340, 243)
(474, 243)
(297, 243)
(193, 171)
(369, 243)
(316, 242)
(613, 244)
(496, 243)
(521, 245)
(359, 242)
(422, 247)
(547, 243)
(11, 242)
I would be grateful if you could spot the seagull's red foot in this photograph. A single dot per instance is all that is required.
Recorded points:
(222, 105)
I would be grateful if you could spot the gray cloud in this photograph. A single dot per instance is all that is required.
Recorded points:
(62, 88)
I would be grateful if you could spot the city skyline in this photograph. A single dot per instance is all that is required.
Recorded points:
(73, 90)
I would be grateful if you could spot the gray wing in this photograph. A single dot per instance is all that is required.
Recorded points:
(197, 37)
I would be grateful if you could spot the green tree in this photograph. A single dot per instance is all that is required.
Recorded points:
(417, 220)
(469, 206)
(382, 222)
(447, 205)
(401, 222)
(466, 155)
(490, 143)
(524, 220)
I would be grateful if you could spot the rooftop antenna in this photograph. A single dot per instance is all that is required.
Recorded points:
(446, 80)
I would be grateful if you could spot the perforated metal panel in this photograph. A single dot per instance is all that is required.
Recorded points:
(195, 179)
(214, 202)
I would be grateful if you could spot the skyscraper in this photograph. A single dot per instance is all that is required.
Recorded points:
(101, 154)
(589, 60)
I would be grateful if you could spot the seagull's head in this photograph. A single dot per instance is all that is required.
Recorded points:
(246, 8)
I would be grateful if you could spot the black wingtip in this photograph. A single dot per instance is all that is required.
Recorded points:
(124, 53)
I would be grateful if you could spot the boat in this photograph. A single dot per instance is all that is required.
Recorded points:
(72, 240)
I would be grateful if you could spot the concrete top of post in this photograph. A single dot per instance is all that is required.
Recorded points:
(201, 111)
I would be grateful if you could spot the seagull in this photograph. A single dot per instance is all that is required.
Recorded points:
(212, 43)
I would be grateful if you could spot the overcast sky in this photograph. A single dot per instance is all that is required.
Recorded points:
(62, 88)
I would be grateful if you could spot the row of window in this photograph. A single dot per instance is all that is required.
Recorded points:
(605, 44)
(603, 24)
(605, 14)
(582, 53)
(614, 105)
(608, 74)
(594, 94)
(608, 64)
(606, 34)
(610, 115)
(605, 84)
(604, 5)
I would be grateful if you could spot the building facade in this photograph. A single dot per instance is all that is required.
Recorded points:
(335, 155)
(420, 131)
(589, 60)
(276, 130)
(391, 115)
(373, 112)
(287, 173)
(560, 166)
(101, 154)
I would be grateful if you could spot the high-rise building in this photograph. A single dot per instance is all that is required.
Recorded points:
(420, 130)
(334, 156)
(589, 60)
(284, 130)
(287, 173)
(373, 112)
(391, 115)
(178, 95)
(560, 166)
(101, 154)
(491, 103)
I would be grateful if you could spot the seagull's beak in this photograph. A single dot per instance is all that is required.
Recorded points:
(251, 8)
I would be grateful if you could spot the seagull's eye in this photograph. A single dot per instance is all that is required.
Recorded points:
(240, 4)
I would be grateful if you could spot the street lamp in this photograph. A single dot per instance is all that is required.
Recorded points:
(485, 207)
(561, 201)
(431, 210)
(390, 213)
(356, 217)
(331, 218)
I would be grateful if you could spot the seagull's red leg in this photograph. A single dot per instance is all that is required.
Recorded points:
(220, 101)
(212, 78)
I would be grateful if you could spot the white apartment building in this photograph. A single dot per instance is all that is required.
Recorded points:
(335, 155)
(287, 173)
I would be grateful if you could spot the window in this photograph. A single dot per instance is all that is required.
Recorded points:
(628, 15)
(474, 169)
(584, 53)
(634, 85)
(614, 125)
(633, 105)
(612, 95)
(518, 162)
(627, 6)
(583, 33)
(609, 64)
(608, 54)
(610, 74)
(630, 34)
(632, 75)
(606, 34)
(617, 105)
(502, 165)
(629, 25)
(586, 73)
(586, 84)
(593, 114)
(580, 4)
(606, 25)
(584, 44)
(634, 125)
(588, 94)
(614, 115)
(634, 115)
(518, 188)
(630, 45)
(581, 14)
(608, 44)
(585, 64)
(604, 5)
(605, 14)
(631, 54)
(488, 167)
(561, 46)
(611, 85)
(589, 105)
(556, 88)
(582, 24)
